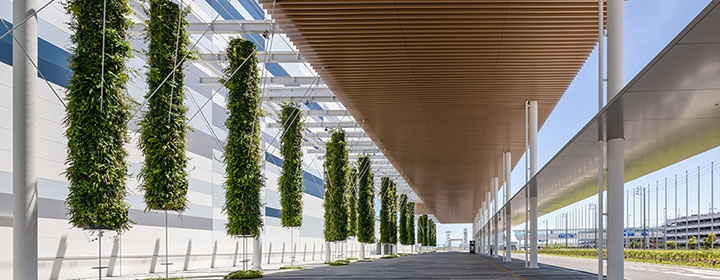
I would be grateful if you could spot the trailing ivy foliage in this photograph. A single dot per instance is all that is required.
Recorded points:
(290, 182)
(163, 130)
(410, 216)
(388, 212)
(243, 155)
(366, 207)
(402, 223)
(351, 198)
(96, 119)
(336, 181)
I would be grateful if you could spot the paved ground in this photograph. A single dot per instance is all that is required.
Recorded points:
(434, 266)
(636, 270)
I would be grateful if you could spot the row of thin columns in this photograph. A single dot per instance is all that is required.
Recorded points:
(615, 164)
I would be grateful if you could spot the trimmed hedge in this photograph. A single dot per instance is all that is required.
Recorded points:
(336, 168)
(388, 211)
(243, 154)
(351, 202)
(402, 223)
(244, 274)
(703, 258)
(410, 216)
(163, 129)
(366, 207)
(96, 120)
(290, 182)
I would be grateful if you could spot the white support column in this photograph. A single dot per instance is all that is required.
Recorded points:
(257, 253)
(508, 224)
(533, 139)
(488, 231)
(616, 143)
(327, 251)
(25, 219)
(496, 230)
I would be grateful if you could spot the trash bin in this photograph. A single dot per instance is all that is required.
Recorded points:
(472, 246)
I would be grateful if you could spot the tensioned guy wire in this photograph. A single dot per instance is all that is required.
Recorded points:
(179, 62)
(36, 67)
(26, 19)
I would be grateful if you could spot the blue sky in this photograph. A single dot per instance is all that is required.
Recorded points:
(649, 26)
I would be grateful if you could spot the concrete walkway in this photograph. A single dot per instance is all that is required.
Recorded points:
(441, 265)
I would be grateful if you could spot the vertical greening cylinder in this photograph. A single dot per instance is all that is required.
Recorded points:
(97, 116)
(402, 223)
(388, 212)
(291, 179)
(366, 207)
(410, 216)
(336, 180)
(243, 155)
(351, 199)
(163, 129)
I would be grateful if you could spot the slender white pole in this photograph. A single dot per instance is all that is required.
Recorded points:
(25, 219)
(257, 253)
(496, 215)
(508, 223)
(615, 143)
(599, 240)
(533, 137)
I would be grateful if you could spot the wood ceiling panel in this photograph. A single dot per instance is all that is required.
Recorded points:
(441, 85)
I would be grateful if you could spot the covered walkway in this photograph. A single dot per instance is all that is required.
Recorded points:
(442, 265)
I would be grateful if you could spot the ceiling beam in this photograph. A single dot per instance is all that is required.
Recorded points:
(272, 57)
(228, 27)
(271, 81)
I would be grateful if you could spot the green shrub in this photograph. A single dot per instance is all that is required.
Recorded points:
(163, 129)
(292, 267)
(244, 274)
(671, 244)
(290, 182)
(389, 256)
(243, 155)
(351, 202)
(351, 259)
(97, 117)
(366, 208)
(365, 260)
(338, 262)
(402, 223)
(336, 168)
(704, 258)
(388, 212)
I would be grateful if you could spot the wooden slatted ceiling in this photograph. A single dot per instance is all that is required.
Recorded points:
(442, 84)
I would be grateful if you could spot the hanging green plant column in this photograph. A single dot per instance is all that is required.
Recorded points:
(422, 230)
(163, 130)
(410, 216)
(97, 117)
(388, 212)
(402, 223)
(290, 182)
(366, 207)
(431, 233)
(336, 181)
(351, 198)
(243, 155)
